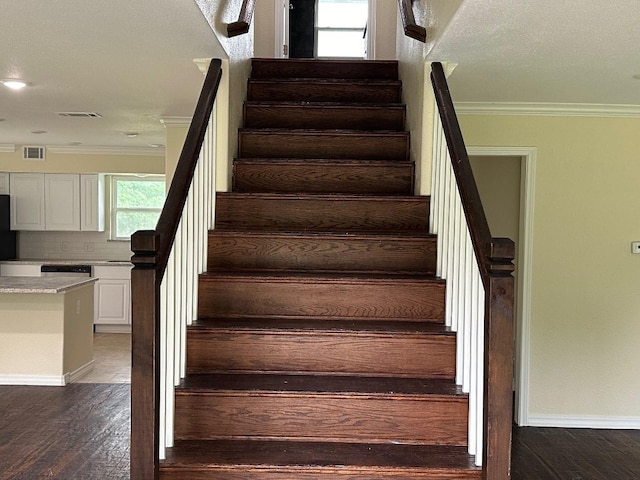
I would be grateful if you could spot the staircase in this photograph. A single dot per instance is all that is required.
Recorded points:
(320, 349)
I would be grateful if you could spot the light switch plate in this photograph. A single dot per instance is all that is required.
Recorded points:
(635, 247)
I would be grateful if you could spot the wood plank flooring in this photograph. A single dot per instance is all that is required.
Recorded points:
(81, 432)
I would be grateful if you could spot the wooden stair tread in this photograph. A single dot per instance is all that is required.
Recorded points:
(282, 68)
(327, 104)
(325, 131)
(342, 197)
(317, 327)
(238, 454)
(372, 235)
(326, 385)
(321, 161)
(326, 81)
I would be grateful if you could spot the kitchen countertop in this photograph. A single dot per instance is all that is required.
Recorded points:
(57, 284)
(50, 261)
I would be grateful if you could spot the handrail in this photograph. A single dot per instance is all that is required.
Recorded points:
(411, 29)
(151, 250)
(494, 261)
(244, 19)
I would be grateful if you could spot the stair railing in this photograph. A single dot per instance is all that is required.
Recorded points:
(167, 262)
(411, 29)
(480, 290)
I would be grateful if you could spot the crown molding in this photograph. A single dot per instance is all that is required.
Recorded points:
(98, 150)
(7, 148)
(175, 121)
(549, 109)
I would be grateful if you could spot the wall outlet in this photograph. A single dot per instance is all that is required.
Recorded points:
(65, 246)
(635, 247)
(77, 307)
(88, 246)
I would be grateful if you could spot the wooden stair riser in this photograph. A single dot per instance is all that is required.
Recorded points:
(418, 356)
(347, 253)
(336, 298)
(320, 213)
(351, 177)
(288, 415)
(310, 90)
(305, 68)
(324, 116)
(323, 144)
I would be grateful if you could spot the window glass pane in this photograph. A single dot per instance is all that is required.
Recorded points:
(129, 222)
(140, 193)
(333, 43)
(342, 13)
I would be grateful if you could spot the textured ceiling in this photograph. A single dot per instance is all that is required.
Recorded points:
(543, 51)
(129, 60)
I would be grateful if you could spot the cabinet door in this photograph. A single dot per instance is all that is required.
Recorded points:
(62, 202)
(19, 270)
(27, 201)
(112, 302)
(4, 183)
(92, 203)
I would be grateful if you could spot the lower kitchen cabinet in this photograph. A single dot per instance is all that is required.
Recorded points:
(112, 302)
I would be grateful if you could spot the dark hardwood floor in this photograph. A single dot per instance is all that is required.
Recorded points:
(81, 432)
(76, 432)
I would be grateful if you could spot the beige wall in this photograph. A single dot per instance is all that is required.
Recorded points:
(82, 163)
(585, 309)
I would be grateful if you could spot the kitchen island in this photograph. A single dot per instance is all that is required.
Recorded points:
(46, 329)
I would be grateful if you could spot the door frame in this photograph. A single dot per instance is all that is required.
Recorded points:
(522, 317)
(281, 29)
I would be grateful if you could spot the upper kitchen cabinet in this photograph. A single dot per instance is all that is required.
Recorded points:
(4, 183)
(57, 201)
(62, 202)
(92, 203)
(27, 201)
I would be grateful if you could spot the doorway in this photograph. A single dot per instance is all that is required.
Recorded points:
(327, 28)
(518, 164)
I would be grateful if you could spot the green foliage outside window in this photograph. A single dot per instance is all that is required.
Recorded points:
(136, 204)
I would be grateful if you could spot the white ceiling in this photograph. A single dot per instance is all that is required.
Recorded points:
(560, 51)
(129, 60)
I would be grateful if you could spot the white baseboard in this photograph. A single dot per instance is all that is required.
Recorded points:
(80, 372)
(43, 380)
(588, 421)
(112, 328)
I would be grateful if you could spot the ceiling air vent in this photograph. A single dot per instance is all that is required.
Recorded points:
(80, 114)
(33, 153)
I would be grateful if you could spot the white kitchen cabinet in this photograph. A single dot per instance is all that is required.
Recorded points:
(92, 202)
(27, 201)
(112, 295)
(62, 202)
(19, 270)
(4, 183)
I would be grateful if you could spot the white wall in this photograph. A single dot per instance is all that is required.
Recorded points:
(585, 306)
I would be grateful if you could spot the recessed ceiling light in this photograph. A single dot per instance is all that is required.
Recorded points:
(156, 145)
(131, 134)
(38, 132)
(14, 84)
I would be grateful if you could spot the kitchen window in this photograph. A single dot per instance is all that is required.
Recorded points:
(136, 202)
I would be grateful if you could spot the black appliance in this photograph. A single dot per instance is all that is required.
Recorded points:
(7, 237)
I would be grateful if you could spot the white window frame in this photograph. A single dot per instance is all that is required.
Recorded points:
(364, 30)
(114, 179)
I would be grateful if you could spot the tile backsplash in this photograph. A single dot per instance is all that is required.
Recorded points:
(71, 246)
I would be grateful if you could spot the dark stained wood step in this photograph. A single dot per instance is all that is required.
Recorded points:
(324, 90)
(321, 213)
(323, 144)
(280, 460)
(245, 250)
(321, 296)
(314, 68)
(324, 115)
(410, 349)
(323, 176)
(329, 408)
